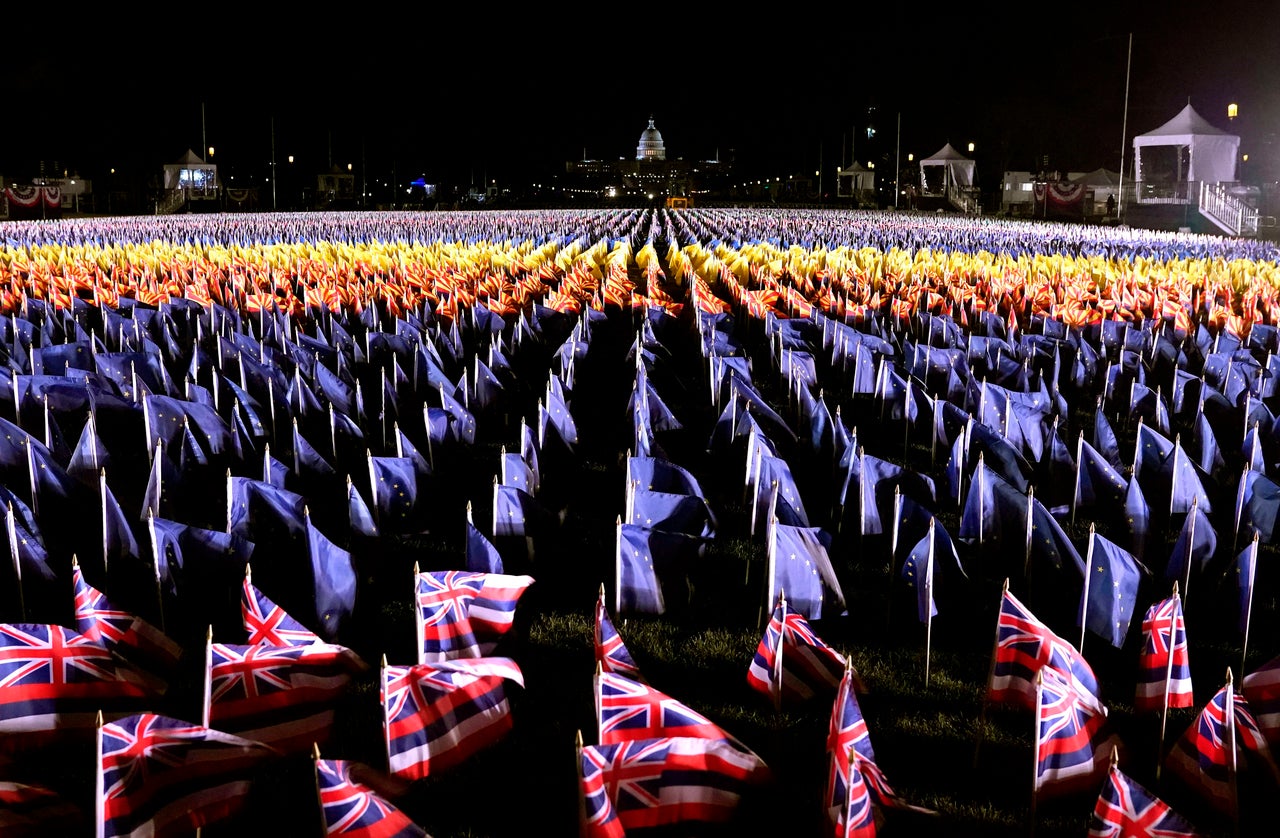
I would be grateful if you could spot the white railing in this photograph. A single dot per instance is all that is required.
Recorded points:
(1227, 211)
(173, 200)
(964, 198)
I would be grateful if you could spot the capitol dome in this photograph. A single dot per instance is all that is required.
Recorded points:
(651, 147)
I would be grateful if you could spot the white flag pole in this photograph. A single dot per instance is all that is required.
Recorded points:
(207, 700)
(928, 614)
(617, 568)
(1084, 597)
(417, 618)
(12, 528)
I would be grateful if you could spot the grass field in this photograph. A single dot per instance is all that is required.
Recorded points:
(938, 744)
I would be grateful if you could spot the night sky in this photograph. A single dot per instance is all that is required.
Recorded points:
(511, 94)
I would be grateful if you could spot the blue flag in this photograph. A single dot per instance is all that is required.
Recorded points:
(335, 581)
(1113, 578)
(802, 570)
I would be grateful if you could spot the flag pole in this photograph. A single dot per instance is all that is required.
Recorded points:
(982, 488)
(12, 527)
(1026, 561)
(99, 790)
(1168, 675)
(897, 515)
(1235, 532)
(102, 503)
(382, 699)
(617, 570)
(1035, 751)
(1248, 606)
(776, 686)
(991, 673)
(417, 617)
(155, 563)
(1075, 495)
(1084, 598)
(1231, 764)
(599, 719)
(582, 801)
(207, 698)
(315, 764)
(928, 613)
(1191, 541)
(771, 573)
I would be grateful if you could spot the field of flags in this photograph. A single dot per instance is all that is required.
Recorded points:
(637, 522)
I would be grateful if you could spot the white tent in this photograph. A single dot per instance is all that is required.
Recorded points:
(1185, 149)
(192, 175)
(1099, 185)
(956, 169)
(854, 180)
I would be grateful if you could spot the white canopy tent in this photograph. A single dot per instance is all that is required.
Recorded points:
(854, 181)
(1185, 149)
(192, 175)
(945, 169)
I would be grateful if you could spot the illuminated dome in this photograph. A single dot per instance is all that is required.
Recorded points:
(651, 147)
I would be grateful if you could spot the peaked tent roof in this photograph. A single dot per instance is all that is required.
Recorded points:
(190, 159)
(1186, 122)
(1099, 177)
(947, 152)
(1211, 152)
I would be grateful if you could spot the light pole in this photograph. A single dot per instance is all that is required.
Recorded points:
(273, 164)
(897, 164)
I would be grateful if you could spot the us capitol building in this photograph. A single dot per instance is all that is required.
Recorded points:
(650, 175)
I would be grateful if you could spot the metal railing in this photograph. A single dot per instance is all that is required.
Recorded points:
(1227, 211)
(964, 198)
(171, 202)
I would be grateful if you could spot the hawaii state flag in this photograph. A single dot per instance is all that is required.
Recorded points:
(1162, 665)
(1125, 808)
(163, 776)
(132, 637)
(1206, 759)
(645, 783)
(611, 652)
(268, 624)
(1262, 691)
(627, 710)
(282, 696)
(53, 678)
(1024, 646)
(352, 808)
(438, 714)
(792, 663)
(463, 614)
(1073, 744)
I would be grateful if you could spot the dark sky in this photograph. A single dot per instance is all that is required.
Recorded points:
(473, 91)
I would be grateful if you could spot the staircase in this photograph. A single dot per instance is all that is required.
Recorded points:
(173, 200)
(964, 198)
(1227, 212)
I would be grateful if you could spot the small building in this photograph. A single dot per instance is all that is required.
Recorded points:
(335, 188)
(856, 182)
(196, 179)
